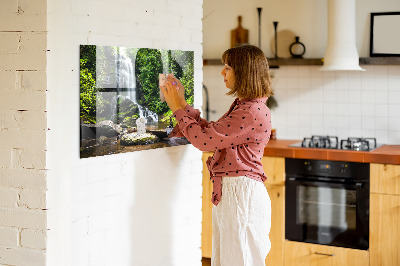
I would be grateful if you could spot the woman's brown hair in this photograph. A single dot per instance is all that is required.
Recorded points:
(250, 66)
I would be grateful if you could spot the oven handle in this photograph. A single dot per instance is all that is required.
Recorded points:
(357, 185)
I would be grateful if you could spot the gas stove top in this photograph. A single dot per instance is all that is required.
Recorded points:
(332, 142)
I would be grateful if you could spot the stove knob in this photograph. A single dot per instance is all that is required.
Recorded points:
(308, 166)
(343, 168)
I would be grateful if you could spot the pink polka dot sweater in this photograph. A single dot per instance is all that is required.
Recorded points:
(238, 139)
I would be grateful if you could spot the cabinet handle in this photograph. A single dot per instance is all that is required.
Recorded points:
(324, 254)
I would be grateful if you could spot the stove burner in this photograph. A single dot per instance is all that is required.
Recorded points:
(332, 142)
(328, 142)
(358, 144)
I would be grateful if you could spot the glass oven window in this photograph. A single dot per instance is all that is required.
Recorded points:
(326, 207)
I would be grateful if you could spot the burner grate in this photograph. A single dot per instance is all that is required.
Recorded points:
(327, 142)
(332, 142)
(358, 144)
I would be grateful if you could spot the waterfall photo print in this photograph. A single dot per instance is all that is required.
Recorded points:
(121, 109)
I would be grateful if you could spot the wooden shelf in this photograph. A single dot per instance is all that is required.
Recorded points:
(380, 61)
(274, 63)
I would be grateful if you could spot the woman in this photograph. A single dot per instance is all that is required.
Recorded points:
(242, 208)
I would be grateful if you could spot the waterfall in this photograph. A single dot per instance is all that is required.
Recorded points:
(126, 74)
(126, 80)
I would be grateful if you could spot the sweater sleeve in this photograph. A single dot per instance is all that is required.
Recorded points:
(193, 113)
(229, 131)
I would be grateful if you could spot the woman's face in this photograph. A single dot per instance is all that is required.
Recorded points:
(229, 76)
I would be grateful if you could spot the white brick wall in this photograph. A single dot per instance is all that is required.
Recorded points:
(22, 132)
(139, 208)
(100, 209)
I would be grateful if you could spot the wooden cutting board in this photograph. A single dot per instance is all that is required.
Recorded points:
(239, 35)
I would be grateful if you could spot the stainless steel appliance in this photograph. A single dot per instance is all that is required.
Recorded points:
(327, 202)
(332, 142)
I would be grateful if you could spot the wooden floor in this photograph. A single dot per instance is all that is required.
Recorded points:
(206, 261)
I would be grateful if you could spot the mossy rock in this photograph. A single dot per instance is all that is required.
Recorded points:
(138, 139)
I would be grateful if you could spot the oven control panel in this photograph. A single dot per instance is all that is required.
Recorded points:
(337, 169)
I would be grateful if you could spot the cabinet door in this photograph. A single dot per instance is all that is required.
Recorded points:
(206, 226)
(384, 230)
(385, 178)
(304, 254)
(277, 233)
(274, 168)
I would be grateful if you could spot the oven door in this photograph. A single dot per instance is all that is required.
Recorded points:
(327, 213)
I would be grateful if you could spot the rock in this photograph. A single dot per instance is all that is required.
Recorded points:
(100, 140)
(106, 128)
(138, 139)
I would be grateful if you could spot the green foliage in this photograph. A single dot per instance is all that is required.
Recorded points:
(87, 87)
(148, 67)
(130, 120)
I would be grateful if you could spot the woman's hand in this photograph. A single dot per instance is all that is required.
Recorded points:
(174, 94)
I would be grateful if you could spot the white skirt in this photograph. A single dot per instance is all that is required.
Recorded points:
(241, 223)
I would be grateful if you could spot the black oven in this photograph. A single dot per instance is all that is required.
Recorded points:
(327, 202)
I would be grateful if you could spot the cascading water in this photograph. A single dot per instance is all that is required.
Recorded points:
(126, 74)
(126, 80)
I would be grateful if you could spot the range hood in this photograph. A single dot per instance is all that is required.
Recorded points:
(341, 51)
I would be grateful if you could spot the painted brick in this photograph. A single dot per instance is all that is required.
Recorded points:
(168, 20)
(8, 237)
(31, 56)
(9, 42)
(23, 22)
(191, 23)
(33, 42)
(33, 159)
(31, 80)
(23, 139)
(8, 197)
(7, 82)
(23, 100)
(33, 7)
(8, 6)
(23, 218)
(5, 158)
(23, 178)
(16, 256)
(33, 199)
(33, 239)
(32, 120)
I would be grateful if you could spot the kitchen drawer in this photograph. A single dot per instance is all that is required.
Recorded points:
(305, 254)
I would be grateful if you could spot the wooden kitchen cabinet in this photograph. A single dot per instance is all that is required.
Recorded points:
(274, 168)
(277, 233)
(385, 178)
(206, 225)
(305, 254)
(385, 215)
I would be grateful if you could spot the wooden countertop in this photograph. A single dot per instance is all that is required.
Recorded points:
(389, 154)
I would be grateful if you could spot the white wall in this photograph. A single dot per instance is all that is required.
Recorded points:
(23, 133)
(311, 102)
(139, 208)
(306, 19)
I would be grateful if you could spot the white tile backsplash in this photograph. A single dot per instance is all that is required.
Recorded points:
(342, 103)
